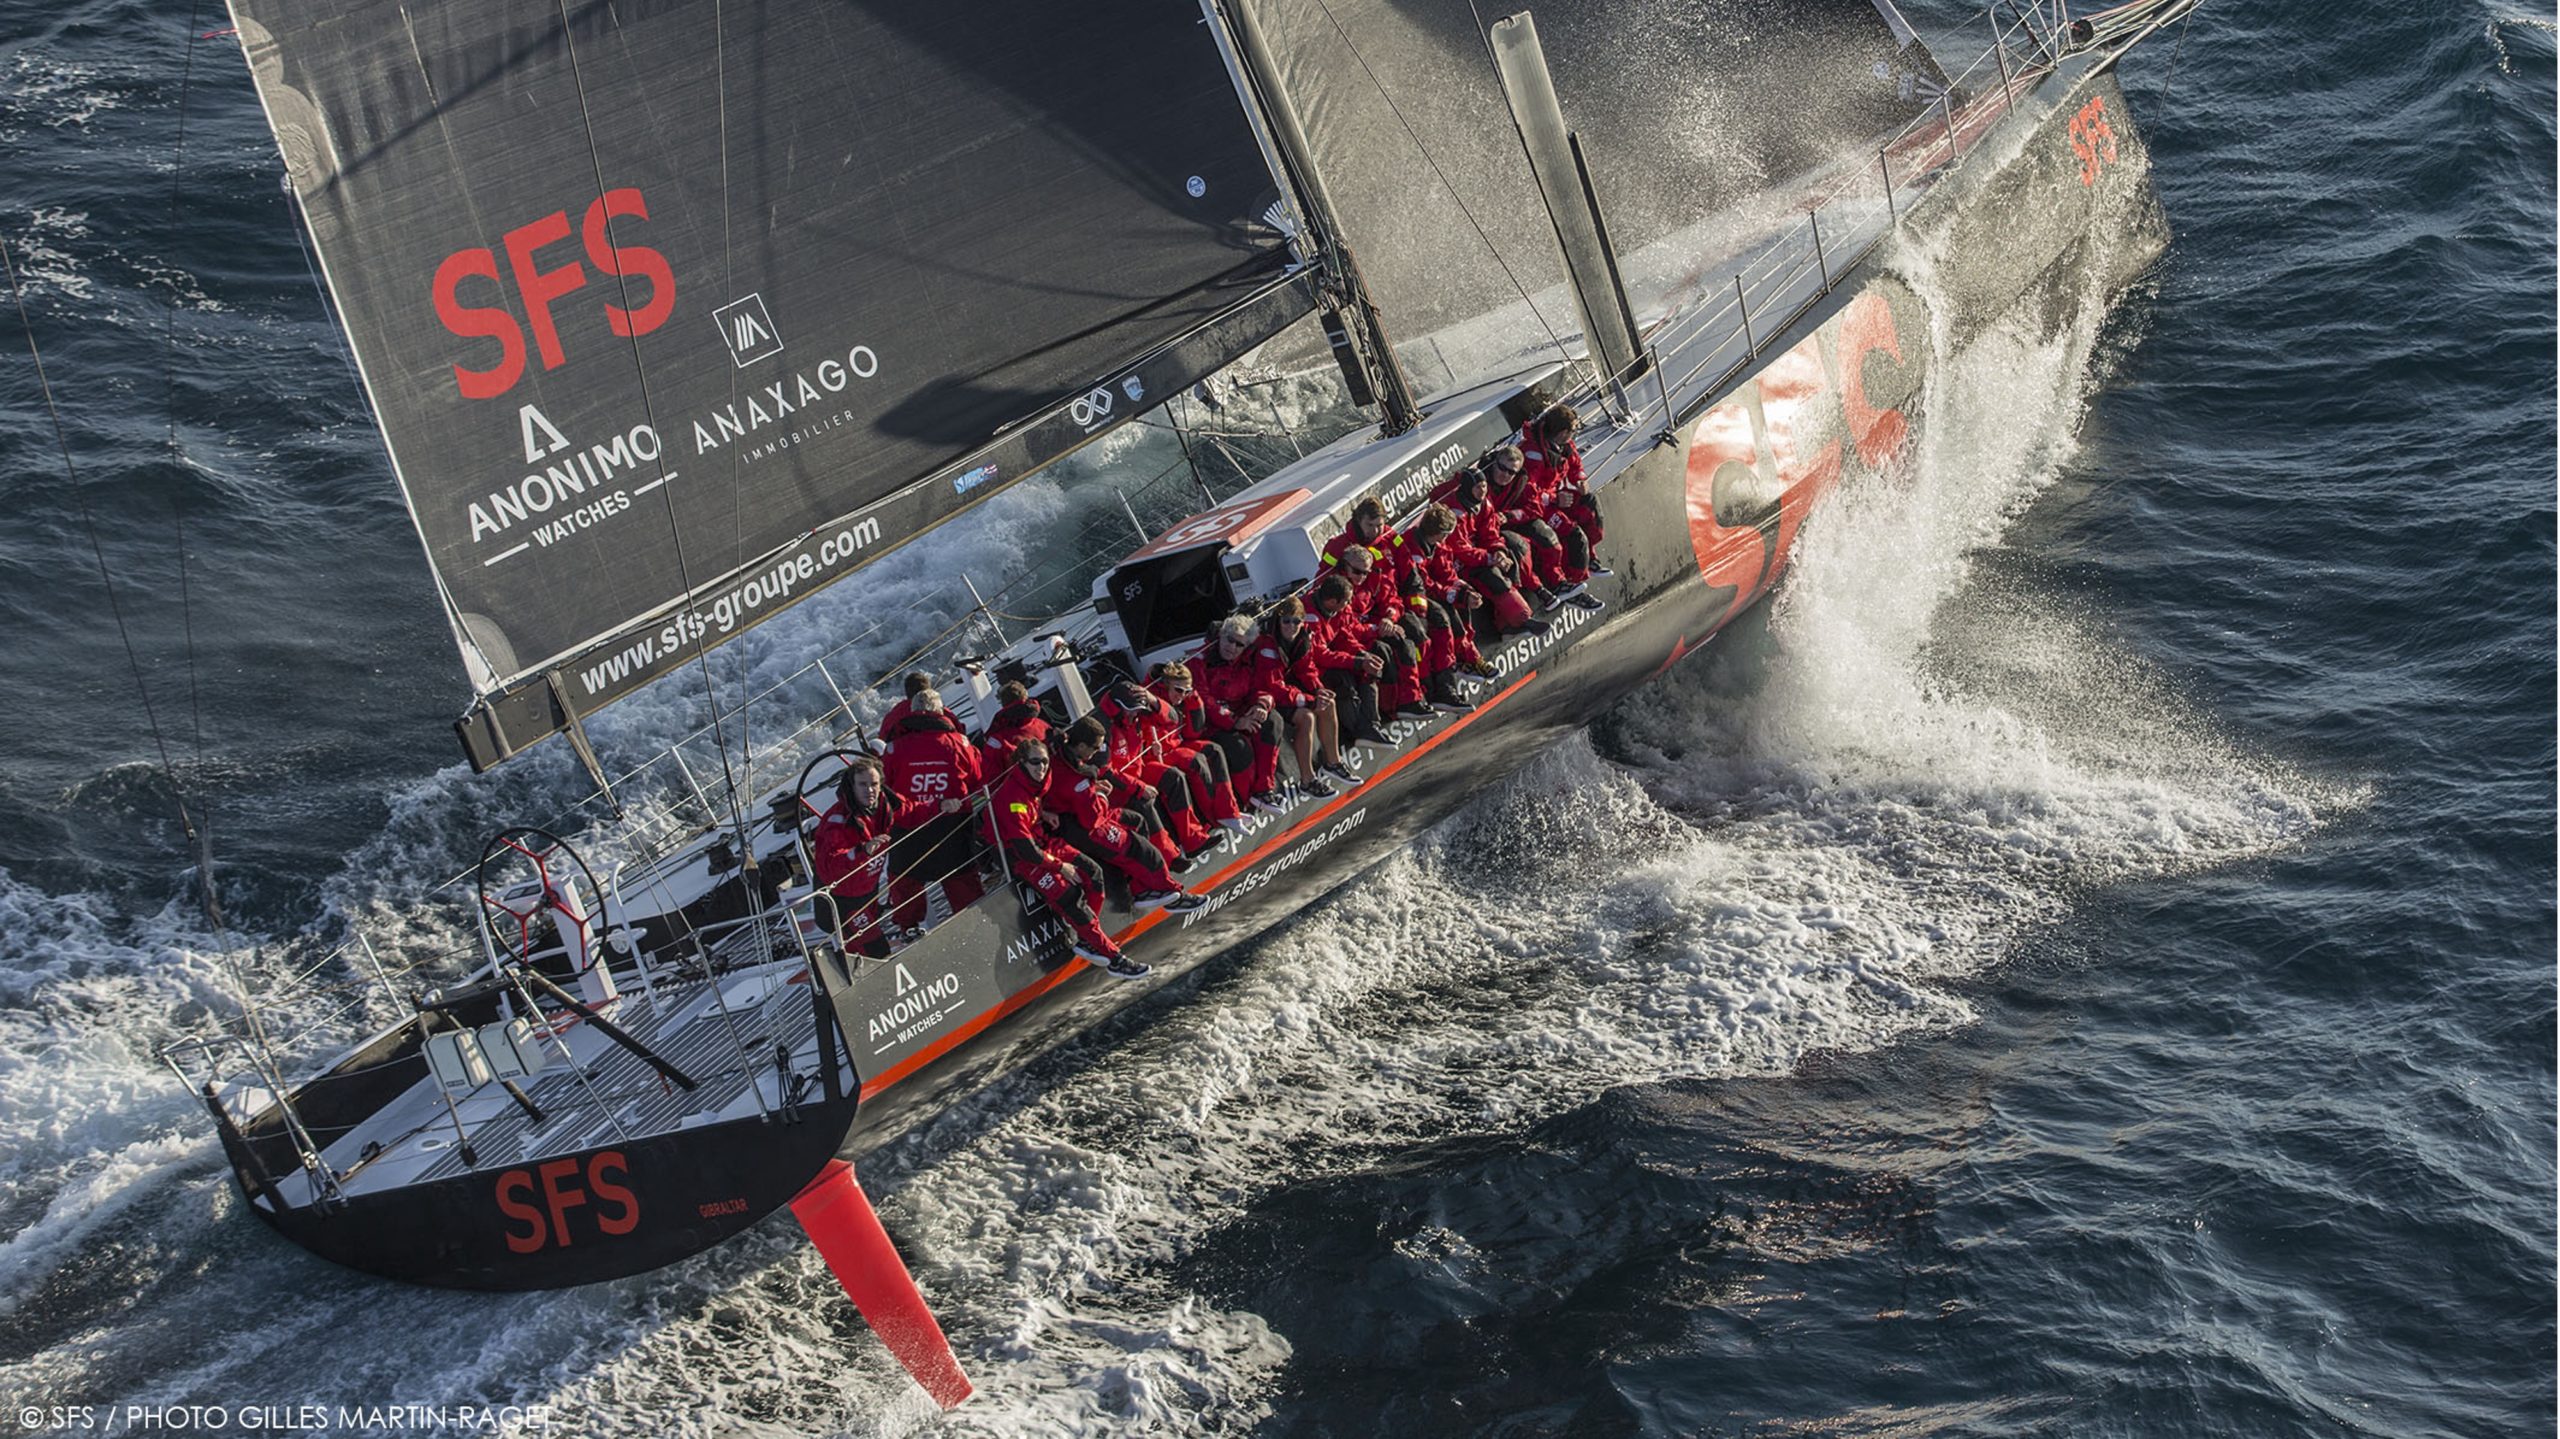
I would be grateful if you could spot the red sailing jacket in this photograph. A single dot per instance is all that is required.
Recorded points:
(931, 760)
(844, 851)
(1012, 723)
(1338, 643)
(1334, 547)
(1233, 688)
(1552, 467)
(1013, 813)
(1089, 801)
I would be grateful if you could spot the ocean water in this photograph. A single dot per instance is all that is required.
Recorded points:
(2079, 962)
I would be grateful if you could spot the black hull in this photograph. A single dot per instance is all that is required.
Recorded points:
(1700, 522)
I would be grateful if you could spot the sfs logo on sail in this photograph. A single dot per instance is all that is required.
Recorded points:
(476, 294)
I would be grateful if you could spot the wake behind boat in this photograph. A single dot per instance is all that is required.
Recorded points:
(622, 1069)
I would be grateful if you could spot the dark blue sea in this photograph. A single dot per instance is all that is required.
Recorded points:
(2079, 962)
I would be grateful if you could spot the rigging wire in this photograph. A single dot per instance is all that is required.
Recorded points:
(648, 406)
(115, 606)
(1425, 151)
(169, 392)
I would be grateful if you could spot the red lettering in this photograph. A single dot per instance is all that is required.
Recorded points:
(533, 1238)
(479, 322)
(562, 1198)
(1866, 329)
(541, 287)
(615, 258)
(609, 1193)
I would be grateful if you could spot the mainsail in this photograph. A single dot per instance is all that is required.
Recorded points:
(674, 311)
(1686, 107)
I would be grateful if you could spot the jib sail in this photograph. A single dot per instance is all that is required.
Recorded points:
(675, 311)
(1687, 107)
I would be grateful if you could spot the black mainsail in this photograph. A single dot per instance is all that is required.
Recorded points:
(673, 311)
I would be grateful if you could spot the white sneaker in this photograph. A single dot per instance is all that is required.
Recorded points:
(1235, 825)
(1271, 803)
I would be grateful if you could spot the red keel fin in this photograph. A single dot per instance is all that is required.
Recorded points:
(841, 1223)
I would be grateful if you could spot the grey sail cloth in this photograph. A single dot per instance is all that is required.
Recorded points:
(645, 292)
(1686, 108)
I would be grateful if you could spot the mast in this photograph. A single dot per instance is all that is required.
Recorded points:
(1368, 359)
(1564, 183)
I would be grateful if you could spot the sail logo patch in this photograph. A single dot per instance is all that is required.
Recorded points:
(540, 276)
(747, 330)
(1091, 408)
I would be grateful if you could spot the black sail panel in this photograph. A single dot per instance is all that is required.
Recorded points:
(647, 293)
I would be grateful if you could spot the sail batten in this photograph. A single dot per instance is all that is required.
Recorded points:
(641, 303)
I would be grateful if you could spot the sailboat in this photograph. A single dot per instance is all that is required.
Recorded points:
(672, 319)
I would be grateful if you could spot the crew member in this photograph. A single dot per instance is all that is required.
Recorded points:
(1138, 724)
(1069, 883)
(1552, 464)
(917, 683)
(1349, 658)
(1315, 718)
(1017, 717)
(1243, 715)
(1184, 738)
(850, 854)
(1375, 605)
(932, 763)
(1496, 558)
(1523, 507)
(1081, 804)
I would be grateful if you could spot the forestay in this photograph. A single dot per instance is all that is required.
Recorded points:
(674, 311)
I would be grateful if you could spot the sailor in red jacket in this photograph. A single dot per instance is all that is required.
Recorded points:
(1138, 725)
(1082, 802)
(1430, 561)
(932, 764)
(1181, 731)
(1552, 464)
(1439, 655)
(1374, 604)
(1018, 717)
(1367, 530)
(1348, 658)
(1315, 721)
(917, 683)
(1489, 558)
(850, 854)
(1067, 882)
(1243, 713)
(1523, 508)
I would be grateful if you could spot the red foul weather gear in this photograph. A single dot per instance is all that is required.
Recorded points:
(849, 851)
(1524, 510)
(1135, 752)
(931, 760)
(1012, 723)
(1068, 883)
(1553, 467)
(1182, 722)
(1230, 689)
(1336, 645)
(1437, 568)
(1490, 558)
(1090, 819)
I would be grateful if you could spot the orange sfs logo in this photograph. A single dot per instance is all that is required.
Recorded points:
(2093, 139)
